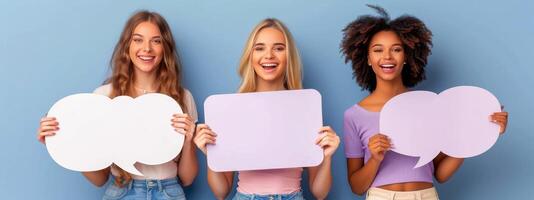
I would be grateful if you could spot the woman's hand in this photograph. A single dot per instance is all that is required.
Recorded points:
(378, 145)
(327, 140)
(204, 137)
(47, 127)
(183, 123)
(500, 118)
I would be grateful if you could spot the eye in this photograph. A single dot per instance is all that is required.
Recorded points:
(137, 40)
(279, 48)
(377, 50)
(398, 49)
(258, 48)
(157, 41)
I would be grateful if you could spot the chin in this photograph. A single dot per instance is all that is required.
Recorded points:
(270, 77)
(389, 77)
(145, 69)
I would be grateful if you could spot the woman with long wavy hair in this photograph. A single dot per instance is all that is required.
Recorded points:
(270, 62)
(145, 60)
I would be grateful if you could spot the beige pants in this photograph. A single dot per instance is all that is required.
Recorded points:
(381, 194)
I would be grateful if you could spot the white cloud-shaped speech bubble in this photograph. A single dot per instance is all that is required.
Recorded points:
(96, 131)
(455, 122)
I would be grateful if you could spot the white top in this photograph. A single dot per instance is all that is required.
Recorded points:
(165, 170)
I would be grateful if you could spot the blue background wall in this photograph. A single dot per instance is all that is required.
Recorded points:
(55, 48)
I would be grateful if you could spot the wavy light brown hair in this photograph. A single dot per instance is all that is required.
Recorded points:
(415, 36)
(293, 74)
(168, 73)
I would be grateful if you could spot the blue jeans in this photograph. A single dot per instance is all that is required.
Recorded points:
(167, 189)
(291, 196)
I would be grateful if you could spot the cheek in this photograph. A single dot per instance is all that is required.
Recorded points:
(282, 57)
(133, 50)
(400, 58)
(158, 50)
(255, 61)
(373, 59)
(255, 57)
(375, 69)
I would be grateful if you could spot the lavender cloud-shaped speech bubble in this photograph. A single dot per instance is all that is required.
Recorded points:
(455, 122)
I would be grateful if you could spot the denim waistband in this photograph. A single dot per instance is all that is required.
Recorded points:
(152, 183)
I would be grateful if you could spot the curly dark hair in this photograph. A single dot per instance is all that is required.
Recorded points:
(415, 36)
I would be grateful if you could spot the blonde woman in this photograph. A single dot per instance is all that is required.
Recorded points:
(271, 62)
(145, 61)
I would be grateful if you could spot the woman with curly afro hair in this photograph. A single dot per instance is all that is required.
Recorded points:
(388, 57)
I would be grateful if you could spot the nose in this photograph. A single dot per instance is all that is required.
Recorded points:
(269, 54)
(387, 55)
(146, 46)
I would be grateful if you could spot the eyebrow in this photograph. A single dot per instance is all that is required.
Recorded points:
(274, 44)
(139, 35)
(398, 44)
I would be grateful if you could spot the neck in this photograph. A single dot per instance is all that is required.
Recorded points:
(264, 86)
(386, 90)
(144, 82)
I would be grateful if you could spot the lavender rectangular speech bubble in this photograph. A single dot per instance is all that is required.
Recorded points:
(264, 130)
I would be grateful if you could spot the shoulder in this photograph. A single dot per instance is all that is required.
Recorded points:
(103, 90)
(188, 97)
(351, 111)
(189, 101)
(187, 94)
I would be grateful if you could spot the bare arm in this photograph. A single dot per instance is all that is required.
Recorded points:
(98, 178)
(220, 183)
(188, 163)
(320, 177)
(361, 175)
(445, 167)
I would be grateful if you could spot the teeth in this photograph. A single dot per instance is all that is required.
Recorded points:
(146, 57)
(269, 65)
(387, 65)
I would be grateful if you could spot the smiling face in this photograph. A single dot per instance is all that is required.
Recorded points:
(146, 47)
(269, 56)
(386, 56)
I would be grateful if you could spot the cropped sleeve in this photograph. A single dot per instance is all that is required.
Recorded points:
(351, 137)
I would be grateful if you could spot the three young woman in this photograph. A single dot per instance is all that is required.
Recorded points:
(387, 56)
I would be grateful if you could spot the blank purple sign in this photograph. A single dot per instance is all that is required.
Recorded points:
(455, 122)
(264, 130)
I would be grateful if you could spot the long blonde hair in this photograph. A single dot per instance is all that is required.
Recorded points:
(168, 73)
(293, 74)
